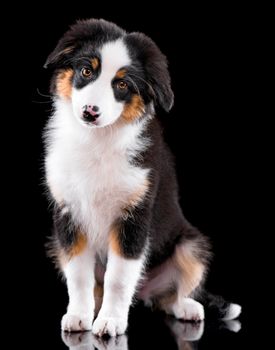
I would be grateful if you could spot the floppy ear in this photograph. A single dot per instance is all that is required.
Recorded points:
(155, 66)
(60, 55)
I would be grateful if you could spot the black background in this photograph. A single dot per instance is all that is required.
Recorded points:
(208, 130)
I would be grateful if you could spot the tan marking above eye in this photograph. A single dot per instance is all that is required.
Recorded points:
(95, 63)
(86, 72)
(121, 85)
(121, 74)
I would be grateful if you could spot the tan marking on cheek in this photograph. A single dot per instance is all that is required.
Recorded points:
(121, 74)
(114, 241)
(190, 269)
(134, 109)
(94, 63)
(64, 83)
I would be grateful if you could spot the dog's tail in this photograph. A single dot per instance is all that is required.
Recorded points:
(216, 307)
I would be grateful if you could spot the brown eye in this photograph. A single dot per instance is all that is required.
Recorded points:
(86, 72)
(121, 85)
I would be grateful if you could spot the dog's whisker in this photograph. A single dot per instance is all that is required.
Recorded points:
(33, 101)
(41, 94)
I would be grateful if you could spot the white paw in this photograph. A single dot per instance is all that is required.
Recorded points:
(109, 325)
(189, 310)
(233, 312)
(76, 323)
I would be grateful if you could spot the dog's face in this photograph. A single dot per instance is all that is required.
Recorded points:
(108, 74)
(102, 90)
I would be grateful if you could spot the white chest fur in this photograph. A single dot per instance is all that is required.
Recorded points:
(89, 171)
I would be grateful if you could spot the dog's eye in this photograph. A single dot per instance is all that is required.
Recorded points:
(86, 72)
(121, 85)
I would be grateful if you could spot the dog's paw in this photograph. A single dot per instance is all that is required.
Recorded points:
(76, 323)
(189, 310)
(109, 325)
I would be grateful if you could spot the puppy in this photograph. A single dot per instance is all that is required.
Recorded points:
(119, 231)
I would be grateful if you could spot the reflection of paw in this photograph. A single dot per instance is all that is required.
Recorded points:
(87, 341)
(77, 341)
(233, 325)
(113, 343)
(109, 325)
(75, 323)
(189, 310)
(186, 331)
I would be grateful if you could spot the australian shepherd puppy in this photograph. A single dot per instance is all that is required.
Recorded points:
(119, 231)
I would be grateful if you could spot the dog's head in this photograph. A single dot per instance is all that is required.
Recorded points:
(108, 74)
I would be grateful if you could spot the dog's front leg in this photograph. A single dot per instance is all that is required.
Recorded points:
(79, 273)
(126, 257)
(120, 282)
(77, 260)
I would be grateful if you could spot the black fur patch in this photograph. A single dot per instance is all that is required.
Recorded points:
(65, 231)
(133, 231)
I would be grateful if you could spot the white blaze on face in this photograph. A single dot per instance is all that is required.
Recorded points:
(100, 93)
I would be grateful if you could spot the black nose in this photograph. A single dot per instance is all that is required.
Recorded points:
(90, 113)
(95, 108)
(88, 117)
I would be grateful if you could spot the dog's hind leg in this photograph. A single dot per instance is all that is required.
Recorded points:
(171, 285)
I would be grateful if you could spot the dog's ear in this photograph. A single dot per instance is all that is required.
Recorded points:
(60, 56)
(155, 66)
(92, 31)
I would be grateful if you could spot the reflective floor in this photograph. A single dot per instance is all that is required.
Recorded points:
(151, 330)
(185, 336)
